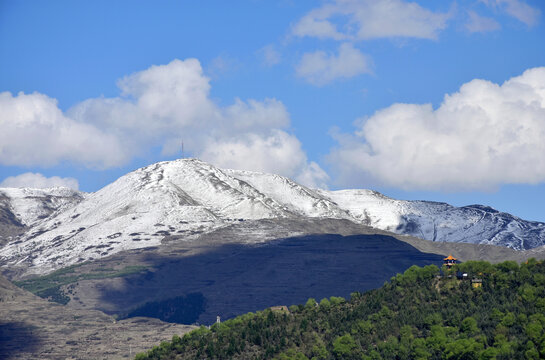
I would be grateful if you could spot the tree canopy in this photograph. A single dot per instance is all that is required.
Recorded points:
(423, 313)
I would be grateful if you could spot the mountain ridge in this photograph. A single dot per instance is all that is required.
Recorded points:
(188, 197)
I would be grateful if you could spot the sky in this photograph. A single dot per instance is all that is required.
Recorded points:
(423, 100)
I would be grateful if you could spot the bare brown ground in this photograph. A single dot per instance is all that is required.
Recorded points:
(33, 328)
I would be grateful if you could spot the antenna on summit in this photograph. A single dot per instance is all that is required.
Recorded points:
(182, 149)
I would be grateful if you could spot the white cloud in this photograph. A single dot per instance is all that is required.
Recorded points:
(481, 137)
(269, 55)
(166, 104)
(315, 24)
(320, 68)
(517, 9)
(278, 152)
(173, 94)
(37, 180)
(479, 23)
(368, 19)
(312, 175)
(173, 102)
(255, 115)
(160, 106)
(35, 132)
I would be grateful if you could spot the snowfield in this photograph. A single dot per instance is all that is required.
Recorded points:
(188, 197)
(32, 205)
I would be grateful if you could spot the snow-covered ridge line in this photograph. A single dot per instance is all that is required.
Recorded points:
(29, 205)
(188, 197)
(437, 221)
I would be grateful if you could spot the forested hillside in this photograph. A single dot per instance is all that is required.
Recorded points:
(495, 312)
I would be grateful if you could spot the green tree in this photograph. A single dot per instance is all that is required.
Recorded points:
(325, 304)
(344, 347)
(534, 330)
(531, 351)
(291, 354)
(508, 319)
(310, 304)
(469, 326)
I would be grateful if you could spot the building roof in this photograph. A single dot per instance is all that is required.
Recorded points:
(450, 257)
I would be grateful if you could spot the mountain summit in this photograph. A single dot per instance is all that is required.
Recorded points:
(188, 197)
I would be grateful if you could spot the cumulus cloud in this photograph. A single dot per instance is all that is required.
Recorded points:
(278, 152)
(160, 106)
(369, 19)
(154, 102)
(35, 132)
(312, 175)
(480, 137)
(479, 23)
(167, 104)
(517, 9)
(320, 68)
(37, 180)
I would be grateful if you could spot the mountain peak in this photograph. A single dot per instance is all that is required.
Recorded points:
(184, 198)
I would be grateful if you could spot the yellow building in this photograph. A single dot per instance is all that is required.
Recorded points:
(449, 261)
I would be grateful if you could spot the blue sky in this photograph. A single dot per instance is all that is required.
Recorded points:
(431, 100)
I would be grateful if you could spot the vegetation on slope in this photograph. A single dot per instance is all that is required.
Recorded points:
(417, 315)
(51, 286)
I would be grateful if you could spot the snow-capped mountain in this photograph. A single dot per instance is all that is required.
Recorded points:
(188, 197)
(436, 221)
(185, 197)
(27, 206)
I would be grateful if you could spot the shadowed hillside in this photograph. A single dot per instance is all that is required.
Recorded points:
(33, 328)
(234, 279)
(495, 312)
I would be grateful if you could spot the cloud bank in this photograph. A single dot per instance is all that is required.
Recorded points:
(480, 137)
(36, 132)
(160, 106)
(370, 19)
(38, 181)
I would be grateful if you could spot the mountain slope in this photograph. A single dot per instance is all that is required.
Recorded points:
(30, 205)
(297, 198)
(185, 198)
(435, 221)
(34, 328)
(417, 315)
(23, 208)
(138, 210)
(428, 220)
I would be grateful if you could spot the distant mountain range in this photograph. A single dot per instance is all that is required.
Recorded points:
(49, 229)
